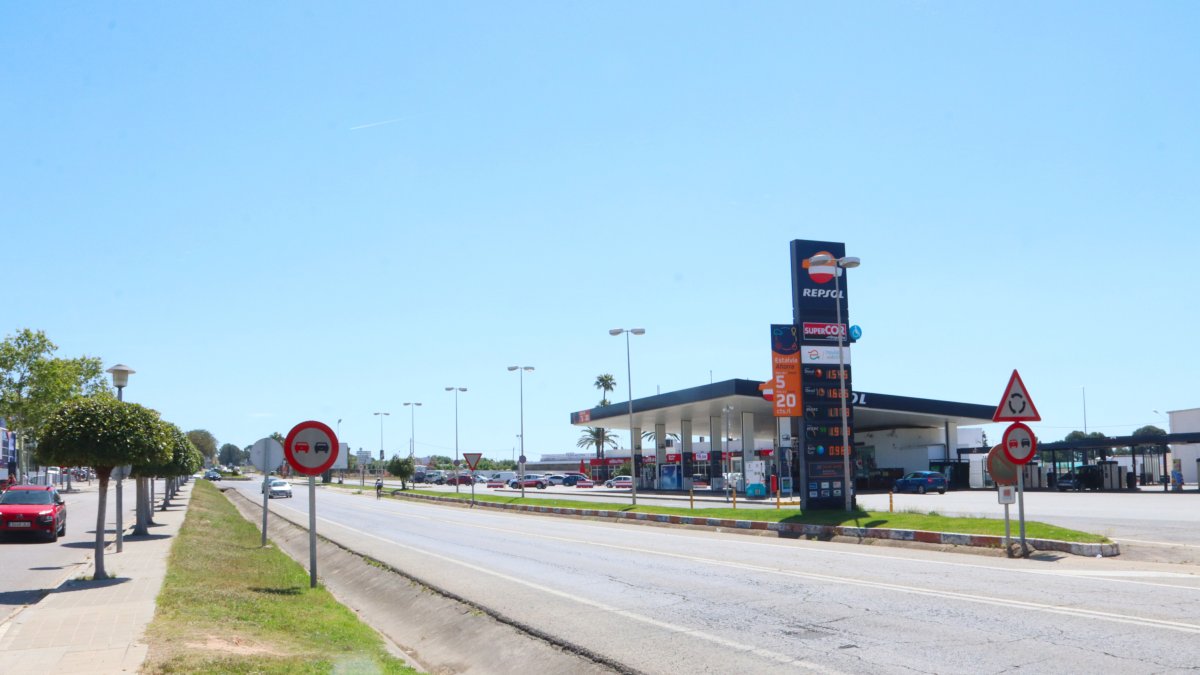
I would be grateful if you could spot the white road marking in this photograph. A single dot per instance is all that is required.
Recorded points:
(781, 659)
(1158, 543)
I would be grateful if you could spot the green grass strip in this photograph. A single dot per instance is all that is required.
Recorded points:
(229, 605)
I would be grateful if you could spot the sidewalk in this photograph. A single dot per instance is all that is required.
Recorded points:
(97, 627)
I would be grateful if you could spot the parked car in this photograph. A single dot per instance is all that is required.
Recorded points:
(619, 482)
(212, 474)
(554, 479)
(278, 487)
(33, 508)
(460, 479)
(569, 479)
(530, 481)
(1085, 477)
(921, 482)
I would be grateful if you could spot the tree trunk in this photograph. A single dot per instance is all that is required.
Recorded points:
(102, 474)
(168, 491)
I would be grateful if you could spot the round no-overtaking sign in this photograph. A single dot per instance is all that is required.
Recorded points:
(311, 448)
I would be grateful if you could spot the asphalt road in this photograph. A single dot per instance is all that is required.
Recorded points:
(669, 600)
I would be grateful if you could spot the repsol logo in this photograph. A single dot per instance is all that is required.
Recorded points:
(823, 293)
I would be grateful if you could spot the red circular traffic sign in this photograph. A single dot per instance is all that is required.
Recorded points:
(1019, 443)
(311, 448)
(1002, 470)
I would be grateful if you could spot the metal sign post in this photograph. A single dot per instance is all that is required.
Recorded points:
(312, 531)
(265, 455)
(472, 459)
(311, 448)
(1021, 510)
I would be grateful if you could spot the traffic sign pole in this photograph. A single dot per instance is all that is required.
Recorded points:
(1021, 509)
(312, 531)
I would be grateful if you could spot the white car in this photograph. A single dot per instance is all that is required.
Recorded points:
(279, 487)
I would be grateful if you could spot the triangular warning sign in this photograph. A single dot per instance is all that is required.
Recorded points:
(472, 458)
(1016, 406)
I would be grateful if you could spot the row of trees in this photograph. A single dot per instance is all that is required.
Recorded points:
(101, 432)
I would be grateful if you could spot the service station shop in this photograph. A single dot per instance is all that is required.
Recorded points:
(793, 442)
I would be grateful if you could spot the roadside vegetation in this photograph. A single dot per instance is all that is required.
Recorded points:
(229, 605)
(930, 522)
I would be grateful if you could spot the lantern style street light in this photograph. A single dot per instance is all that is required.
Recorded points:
(120, 376)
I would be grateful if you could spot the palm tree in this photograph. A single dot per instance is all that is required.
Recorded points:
(598, 438)
(650, 436)
(605, 383)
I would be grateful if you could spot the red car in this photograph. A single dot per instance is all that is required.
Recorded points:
(33, 508)
(463, 479)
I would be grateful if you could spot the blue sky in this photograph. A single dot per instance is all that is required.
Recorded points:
(282, 211)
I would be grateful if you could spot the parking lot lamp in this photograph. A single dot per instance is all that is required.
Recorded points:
(521, 370)
(456, 474)
(629, 385)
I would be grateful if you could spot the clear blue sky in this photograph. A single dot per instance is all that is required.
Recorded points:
(280, 211)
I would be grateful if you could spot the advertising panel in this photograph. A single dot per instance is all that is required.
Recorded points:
(785, 370)
(817, 298)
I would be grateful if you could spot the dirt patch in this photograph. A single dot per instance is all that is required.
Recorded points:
(234, 645)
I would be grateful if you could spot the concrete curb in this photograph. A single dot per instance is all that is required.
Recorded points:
(822, 532)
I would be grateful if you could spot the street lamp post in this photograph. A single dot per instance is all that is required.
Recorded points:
(730, 483)
(629, 386)
(363, 473)
(456, 474)
(120, 376)
(842, 263)
(412, 438)
(521, 370)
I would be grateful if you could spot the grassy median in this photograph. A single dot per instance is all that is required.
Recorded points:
(229, 605)
(905, 520)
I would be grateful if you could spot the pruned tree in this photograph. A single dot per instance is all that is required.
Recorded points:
(103, 433)
(185, 460)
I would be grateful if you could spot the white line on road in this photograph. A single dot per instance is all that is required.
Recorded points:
(781, 659)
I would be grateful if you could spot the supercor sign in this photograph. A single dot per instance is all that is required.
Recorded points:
(823, 331)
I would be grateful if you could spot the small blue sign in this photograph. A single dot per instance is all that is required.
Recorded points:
(855, 332)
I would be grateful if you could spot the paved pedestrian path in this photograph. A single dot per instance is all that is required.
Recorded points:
(97, 627)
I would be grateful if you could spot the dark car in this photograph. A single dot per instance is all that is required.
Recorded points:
(461, 479)
(570, 479)
(1082, 478)
(212, 474)
(921, 482)
(33, 508)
